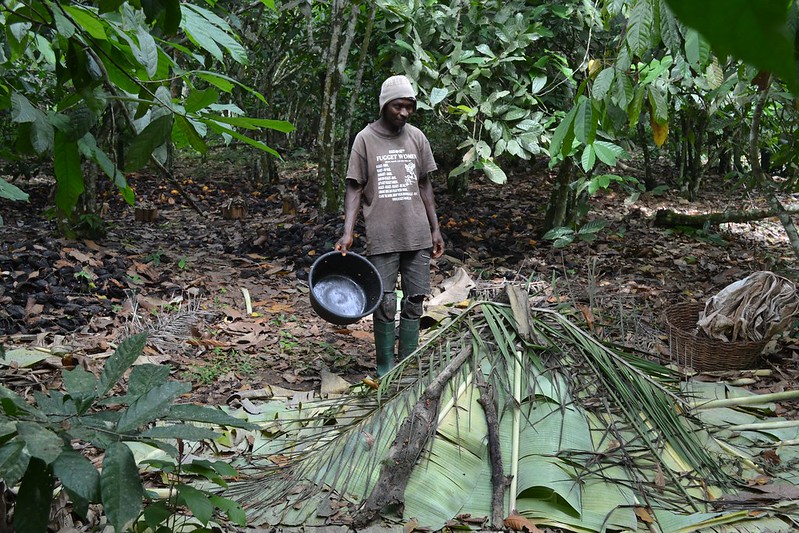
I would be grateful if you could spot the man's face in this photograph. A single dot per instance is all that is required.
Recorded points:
(397, 112)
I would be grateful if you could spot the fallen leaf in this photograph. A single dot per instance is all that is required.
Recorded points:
(517, 522)
(643, 515)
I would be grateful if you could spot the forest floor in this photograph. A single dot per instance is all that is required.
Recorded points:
(188, 277)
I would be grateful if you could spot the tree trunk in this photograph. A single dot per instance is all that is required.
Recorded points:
(356, 89)
(337, 54)
(760, 175)
(697, 126)
(561, 200)
(649, 181)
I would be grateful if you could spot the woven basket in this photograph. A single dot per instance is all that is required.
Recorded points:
(692, 348)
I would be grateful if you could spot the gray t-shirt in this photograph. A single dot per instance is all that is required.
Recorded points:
(389, 167)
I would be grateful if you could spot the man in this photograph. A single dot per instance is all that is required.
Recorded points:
(389, 171)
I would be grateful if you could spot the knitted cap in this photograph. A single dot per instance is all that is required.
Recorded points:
(396, 87)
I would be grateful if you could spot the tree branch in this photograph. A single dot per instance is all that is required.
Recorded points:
(498, 480)
(412, 437)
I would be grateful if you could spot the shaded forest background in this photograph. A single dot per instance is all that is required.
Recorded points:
(101, 92)
(554, 119)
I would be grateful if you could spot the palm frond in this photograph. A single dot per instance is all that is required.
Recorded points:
(600, 432)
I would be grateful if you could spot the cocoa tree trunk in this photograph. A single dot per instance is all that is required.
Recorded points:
(336, 59)
(561, 198)
(649, 181)
(754, 157)
(356, 89)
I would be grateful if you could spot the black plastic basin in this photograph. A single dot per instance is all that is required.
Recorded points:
(344, 288)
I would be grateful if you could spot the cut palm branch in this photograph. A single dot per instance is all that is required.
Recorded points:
(601, 432)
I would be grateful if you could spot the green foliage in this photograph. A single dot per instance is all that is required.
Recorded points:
(770, 42)
(36, 438)
(484, 67)
(144, 72)
(563, 236)
(202, 504)
(221, 363)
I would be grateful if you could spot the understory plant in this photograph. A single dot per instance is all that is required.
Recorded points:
(46, 445)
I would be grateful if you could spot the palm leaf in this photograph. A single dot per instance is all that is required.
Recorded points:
(597, 428)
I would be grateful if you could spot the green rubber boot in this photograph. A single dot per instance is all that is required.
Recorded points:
(384, 346)
(408, 337)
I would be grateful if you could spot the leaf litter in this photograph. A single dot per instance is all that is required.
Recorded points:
(77, 299)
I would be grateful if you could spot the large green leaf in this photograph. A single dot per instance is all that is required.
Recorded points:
(697, 50)
(68, 173)
(609, 153)
(78, 475)
(209, 415)
(588, 159)
(79, 122)
(21, 109)
(120, 486)
(41, 443)
(80, 386)
(256, 123)
(660, 108)
(197, 501)
(185, 134)
(13, 405)
(87, 20)
(602, 83)
(146, 377)
(120, 361)
(31, 511)
(636, 105)
(584, 123)
(146, 53)
(640, 24)
(494, 172)
(42, 134)
(559, 146)
(9, 191)
(14, 460)
(757, 33)
(151, 405)
(219, 128)
(232, 509)
(219, 81)
(210, 32)
(624, 90)
(141, 148)
(437, 95)
(200, 99)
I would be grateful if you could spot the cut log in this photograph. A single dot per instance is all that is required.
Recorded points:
(669, 218)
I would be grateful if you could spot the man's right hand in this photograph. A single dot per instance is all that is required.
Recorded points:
(343, 244)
